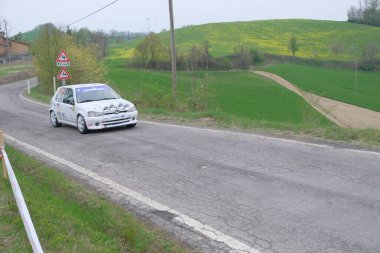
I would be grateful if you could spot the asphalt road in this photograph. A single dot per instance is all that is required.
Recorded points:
(271, 194)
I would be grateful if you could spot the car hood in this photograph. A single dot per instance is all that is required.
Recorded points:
(98, 106)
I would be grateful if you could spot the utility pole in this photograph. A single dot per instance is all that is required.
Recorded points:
(6, 35)
(356, 75)
(238, 24)
(174, 59)
(147, 21)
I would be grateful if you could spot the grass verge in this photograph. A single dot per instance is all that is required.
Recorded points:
(8, 69)
(69, 218)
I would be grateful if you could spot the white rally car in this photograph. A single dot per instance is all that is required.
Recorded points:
(90, 107)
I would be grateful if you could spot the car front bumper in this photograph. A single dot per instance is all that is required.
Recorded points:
(111, 120)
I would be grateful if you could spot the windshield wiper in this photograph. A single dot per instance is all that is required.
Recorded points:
(87, 100)
(107, 98)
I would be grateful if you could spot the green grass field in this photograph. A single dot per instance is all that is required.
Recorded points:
(6, 69)
(337, 84)
(270, 36)
(69, 218)
(234, 96)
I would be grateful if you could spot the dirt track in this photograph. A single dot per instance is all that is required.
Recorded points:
(344, 115)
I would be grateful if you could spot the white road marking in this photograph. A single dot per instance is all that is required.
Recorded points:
(203, 229)
(257, 136)
(32, 101)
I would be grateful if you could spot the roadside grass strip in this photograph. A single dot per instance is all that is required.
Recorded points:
(69, 218)
(104, 227)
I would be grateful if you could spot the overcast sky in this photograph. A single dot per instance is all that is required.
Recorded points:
(137, 15)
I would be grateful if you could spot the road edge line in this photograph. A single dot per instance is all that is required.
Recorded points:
(203, 229)
(246, 134)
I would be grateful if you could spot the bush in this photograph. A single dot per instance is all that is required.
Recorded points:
(84, 65)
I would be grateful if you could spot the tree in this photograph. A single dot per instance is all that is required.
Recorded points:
(150, 50)
(206, 47)
(369, 57)
(100, 40)
(293, 45)
(195, 59)
(336, 48)
(83, 37)
(243, 57)
(45, 51)
(367, 13)
(84, 65)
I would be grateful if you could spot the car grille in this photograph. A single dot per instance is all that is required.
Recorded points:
(116, 122)
(116, 112)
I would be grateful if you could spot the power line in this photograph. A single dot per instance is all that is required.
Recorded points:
(91, 14)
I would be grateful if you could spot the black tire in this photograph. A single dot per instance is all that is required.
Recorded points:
(81, 125)
(131, 125)
(54, 120)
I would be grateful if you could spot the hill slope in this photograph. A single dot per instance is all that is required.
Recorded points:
(338, 84)
(315, 38)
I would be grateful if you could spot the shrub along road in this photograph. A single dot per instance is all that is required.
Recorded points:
(271, 194)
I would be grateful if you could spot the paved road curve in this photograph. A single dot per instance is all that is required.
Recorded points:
(271, 194)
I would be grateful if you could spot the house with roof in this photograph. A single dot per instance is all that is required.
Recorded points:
(13, 50)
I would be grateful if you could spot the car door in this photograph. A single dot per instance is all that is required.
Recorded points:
(57, 103)
(68, 107)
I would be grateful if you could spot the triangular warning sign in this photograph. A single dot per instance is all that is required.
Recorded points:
(62, 57)
(63, 74)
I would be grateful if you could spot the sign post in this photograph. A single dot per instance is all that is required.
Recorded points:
(63, 61)
(63, 75)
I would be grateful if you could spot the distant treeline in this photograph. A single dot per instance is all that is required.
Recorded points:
(84, 36)
(367, 13)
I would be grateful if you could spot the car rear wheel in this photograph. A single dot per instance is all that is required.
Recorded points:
(81, 125)
(54, 120)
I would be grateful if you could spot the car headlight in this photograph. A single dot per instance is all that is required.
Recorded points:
(112, 108)
(132, 109)
(95, 114)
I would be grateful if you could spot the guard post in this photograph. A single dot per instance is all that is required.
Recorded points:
(2, 146)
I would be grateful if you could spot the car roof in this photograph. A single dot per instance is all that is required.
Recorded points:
(84, 85)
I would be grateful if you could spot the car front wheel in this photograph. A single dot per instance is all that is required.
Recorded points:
(81, 125)
(54, 120)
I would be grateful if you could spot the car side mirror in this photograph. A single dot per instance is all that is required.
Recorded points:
(71, 100)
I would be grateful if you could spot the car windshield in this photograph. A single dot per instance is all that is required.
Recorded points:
(95, 93)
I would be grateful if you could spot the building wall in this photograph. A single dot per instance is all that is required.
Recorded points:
(15, 49)
(3, 45)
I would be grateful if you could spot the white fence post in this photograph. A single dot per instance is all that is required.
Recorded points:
(2, 146)
(54, 84)
(28, 87)
(22, 208)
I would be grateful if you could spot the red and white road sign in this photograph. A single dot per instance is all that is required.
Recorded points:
(62, 57)
(63, 74)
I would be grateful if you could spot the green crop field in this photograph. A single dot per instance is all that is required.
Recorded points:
(233, 96)
(271, 36)
(336, 84)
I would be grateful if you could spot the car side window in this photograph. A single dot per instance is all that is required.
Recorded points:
(59, 96)
(68, 98)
